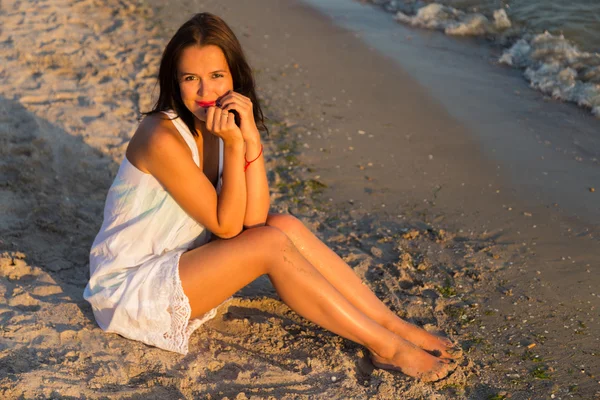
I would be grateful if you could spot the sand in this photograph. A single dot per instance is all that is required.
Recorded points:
(74, 77)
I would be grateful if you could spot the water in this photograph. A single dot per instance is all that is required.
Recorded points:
(555, 42)
(577, 20)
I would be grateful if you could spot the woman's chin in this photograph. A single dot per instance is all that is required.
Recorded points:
(200, 115)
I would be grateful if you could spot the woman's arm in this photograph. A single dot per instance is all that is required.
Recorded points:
(232, 199)
(168, 158)
(257, 186)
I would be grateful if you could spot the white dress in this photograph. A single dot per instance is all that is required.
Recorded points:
(134, 285)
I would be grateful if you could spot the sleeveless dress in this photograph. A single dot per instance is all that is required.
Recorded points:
(134, 287)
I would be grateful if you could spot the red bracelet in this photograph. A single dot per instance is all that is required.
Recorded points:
(250, 162)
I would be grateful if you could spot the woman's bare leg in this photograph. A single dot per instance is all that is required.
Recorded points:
(343, 278)
(213, 272)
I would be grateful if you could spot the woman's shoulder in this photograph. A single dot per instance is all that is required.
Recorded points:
(155, 131)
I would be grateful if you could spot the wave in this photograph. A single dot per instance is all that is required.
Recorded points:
(455, 22)
(551, 63)
(558, 68)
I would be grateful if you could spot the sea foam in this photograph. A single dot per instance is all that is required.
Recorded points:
(558, 68)
(455, 22)
(551, 63)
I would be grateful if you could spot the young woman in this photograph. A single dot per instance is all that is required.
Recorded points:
(186, 222)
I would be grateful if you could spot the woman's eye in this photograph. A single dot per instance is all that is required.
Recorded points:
(189, 78)
(217, 75)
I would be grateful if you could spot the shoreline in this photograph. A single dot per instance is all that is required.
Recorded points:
(66, 129)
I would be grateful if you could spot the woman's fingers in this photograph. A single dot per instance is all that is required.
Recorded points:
(223, 119)
(231, 121)
(220, 119)
(240, 108)
(216, 126)
(238, 102)
(210, 115)
(221, 122)
(232, 95)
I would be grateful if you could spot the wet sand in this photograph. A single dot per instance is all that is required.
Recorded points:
(351, 131)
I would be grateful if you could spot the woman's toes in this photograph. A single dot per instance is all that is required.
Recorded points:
(452, 351)
(445, 368)
(455, 351)
(438, 346)
(413, 361)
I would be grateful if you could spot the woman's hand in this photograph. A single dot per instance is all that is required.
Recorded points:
(221, 123)
(243, 106)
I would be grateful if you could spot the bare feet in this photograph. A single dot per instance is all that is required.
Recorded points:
(413, 361)
(436, 345)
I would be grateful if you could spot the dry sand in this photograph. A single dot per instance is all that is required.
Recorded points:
(74, 77)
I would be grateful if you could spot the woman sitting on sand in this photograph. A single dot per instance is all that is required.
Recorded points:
(186, 222)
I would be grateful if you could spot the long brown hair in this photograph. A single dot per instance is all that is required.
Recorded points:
(201, 30)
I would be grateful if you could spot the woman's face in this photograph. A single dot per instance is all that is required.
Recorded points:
(203, 76)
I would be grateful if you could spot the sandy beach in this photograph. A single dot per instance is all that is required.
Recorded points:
(444, 211)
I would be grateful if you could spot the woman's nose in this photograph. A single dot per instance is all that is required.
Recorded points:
(201, 89)
(204, 89)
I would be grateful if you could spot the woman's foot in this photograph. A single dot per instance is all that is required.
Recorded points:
(434, 344)
(413, 361)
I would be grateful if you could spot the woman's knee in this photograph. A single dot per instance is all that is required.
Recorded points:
(271, 242)
(285, 222)
(268, 237)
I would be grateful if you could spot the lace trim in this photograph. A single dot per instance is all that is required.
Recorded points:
(179, 308)
(167, 323)
(173, 301)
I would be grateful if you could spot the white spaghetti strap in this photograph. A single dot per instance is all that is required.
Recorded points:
(186, 134)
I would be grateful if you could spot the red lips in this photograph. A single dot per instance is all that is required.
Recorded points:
(205, 104)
